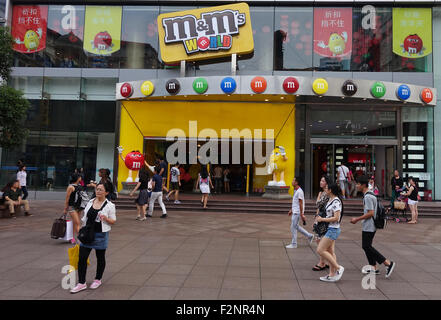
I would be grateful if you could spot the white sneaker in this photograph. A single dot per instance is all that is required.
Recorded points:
(291, 246)
(79, 287)
(143, 219)
(177, 202)
(95, 284)
(328, 278)
(340, 273)
(367, 269)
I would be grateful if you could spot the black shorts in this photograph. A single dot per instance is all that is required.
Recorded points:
(174, 185)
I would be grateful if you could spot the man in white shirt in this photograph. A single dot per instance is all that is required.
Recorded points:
(342, 177)
(298, 211)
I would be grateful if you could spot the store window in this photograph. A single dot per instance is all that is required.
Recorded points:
(352, 124)
(262, 20)
(372, 40)
(102, 36)
(332, 39)
(293, 38)
(65, 33)
(412, 39)
(29, 26)
(418, 147)
(139, 39)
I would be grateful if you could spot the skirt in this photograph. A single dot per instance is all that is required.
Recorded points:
(143, 197)
(100, 243)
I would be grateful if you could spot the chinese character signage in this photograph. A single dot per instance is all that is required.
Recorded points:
(412, 32)
(102, 31)
(205, 33)
(29, 28)
(333, 31)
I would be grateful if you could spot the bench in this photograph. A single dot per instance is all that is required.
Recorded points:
(4, 211)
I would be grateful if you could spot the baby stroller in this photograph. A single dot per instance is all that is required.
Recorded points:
(399, 209)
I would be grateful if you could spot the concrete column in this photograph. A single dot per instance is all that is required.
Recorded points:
(105, 152)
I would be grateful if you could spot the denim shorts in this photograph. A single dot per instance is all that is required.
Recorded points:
(333, 233)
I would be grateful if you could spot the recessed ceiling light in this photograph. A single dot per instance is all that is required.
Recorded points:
(338, 127)
(380, 124)
(310, 125)
(266, 100)
(282, 98)
(320, 121)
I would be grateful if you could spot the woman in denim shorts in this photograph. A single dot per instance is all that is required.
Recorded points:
(326, 247)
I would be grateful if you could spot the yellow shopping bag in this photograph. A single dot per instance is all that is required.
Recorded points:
(74, 256)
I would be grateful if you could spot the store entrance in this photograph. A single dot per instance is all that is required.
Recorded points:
(377, 161)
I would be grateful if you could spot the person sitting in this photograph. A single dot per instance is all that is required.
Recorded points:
(12, 196)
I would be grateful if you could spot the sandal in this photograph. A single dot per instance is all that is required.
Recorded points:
(318, 268)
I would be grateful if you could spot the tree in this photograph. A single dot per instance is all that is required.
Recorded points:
(13, 106)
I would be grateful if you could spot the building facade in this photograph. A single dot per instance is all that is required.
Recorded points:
(76, 118)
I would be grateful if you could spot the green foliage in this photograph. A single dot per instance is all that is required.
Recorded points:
(13, 106)
(6, 53)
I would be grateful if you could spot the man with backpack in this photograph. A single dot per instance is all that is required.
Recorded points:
(373, 219)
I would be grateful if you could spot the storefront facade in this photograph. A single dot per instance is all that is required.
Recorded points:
(77, 118)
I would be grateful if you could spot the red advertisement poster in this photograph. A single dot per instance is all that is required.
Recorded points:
(333, 31)
(29, 28)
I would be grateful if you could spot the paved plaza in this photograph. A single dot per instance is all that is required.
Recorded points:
(207, 255)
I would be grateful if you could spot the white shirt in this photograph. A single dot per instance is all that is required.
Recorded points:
(298, 194)
(108, 211)
(332, 207)
(343, 172)
(21, 177)
(174, 173)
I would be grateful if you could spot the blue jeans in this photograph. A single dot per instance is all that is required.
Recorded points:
(333, 233)
(295, 226)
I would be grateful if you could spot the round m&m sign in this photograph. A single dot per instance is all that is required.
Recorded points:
(172, 86)
(320, 86)
(200, 85)
(147, 88)
(258, 84)
(426, 95)
(228, 85)
(291, 85)
(378, 89)
(126, 90)
(403, 92)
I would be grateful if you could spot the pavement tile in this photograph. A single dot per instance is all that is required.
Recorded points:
(197, 294)
(238, 294)
(407, 297)
(249, 272)
(402, 288)
(318, 287)
(241, 283)
(132, 279)
(282, 295)
(155, 293)
(209, 270)
(140, 267)
(166, 280)
(181, 269)
(323, 296)
(277, 273)
(112, 292)
(32, 289)
(428, 289)
(7, 284)
(151, 259)
(196, 281)
(280, 285)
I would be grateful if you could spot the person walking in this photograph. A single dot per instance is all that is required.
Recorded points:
(326, 247)
(218, 174)
(412, 201)
(156, 193)
(342, 178)
(144, 194)
(204, 183)
(369, 230)
(175, 180)
(101, 213)
(396, 184)
(72, 192)
(298, 211)
(12, 196)
(21, 177)
(227, 180)
(322, 200)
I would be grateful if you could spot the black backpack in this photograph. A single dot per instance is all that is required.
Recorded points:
(78, 198)
(380, 218)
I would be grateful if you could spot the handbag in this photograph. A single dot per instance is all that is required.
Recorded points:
(399, 205)
(87, 233)
(74, 256)
(320, 228)
(59, 227)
